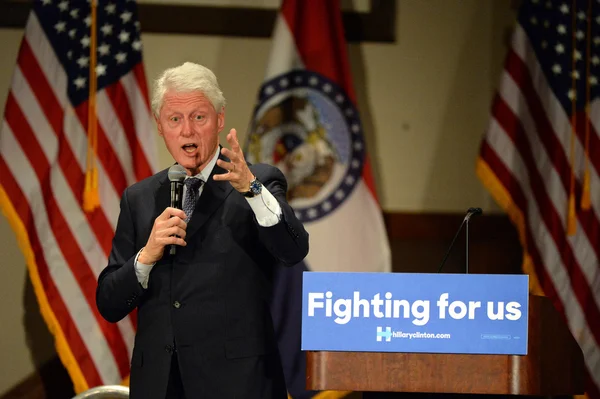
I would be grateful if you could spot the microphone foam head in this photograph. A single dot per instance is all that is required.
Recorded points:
(177, 173)
(475, 211)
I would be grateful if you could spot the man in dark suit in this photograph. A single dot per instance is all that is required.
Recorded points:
(204, 326)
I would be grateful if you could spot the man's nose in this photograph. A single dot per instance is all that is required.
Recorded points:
(187, 129)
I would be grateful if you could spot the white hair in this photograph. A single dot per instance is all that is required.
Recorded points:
(186, 78)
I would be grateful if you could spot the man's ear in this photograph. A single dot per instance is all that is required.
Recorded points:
(158, 125)
(221, 120)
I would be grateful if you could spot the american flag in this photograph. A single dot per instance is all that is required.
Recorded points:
(541, 157)
(55, 131)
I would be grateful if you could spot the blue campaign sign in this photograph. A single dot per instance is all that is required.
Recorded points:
(415, 312)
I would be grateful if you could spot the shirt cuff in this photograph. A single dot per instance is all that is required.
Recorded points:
(266, 208)
(142, 271)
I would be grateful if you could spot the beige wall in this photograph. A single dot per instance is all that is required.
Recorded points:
(424, 101)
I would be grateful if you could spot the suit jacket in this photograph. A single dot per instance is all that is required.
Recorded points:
(210, 301)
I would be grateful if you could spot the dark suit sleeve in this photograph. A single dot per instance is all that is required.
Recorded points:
(287, 240)
(119, 291)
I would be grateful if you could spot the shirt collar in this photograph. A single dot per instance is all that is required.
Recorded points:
(204, 174)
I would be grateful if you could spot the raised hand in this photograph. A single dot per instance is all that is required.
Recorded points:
(238, 173)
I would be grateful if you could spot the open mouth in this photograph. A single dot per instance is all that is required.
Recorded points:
(189, 148)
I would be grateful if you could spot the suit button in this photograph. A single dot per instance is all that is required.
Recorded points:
(176, 305)
(169, 348)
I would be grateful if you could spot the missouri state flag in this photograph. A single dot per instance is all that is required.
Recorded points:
(306, 123)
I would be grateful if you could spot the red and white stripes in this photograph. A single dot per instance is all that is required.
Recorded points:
(527, 151)
(43, 146)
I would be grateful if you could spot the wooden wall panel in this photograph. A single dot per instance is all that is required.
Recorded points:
(420, 241)
(377, 25)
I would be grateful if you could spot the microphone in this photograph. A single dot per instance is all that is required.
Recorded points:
(470, 213)
(177, 174)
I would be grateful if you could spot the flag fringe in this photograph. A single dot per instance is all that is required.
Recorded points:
(332, 394)
(60, 342)
(328, 395)
(586, 202)
(504, 199)
(91, 197)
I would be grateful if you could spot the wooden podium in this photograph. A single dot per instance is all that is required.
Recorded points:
(553, 366)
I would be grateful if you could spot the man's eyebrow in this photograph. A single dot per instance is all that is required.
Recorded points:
(202, 108)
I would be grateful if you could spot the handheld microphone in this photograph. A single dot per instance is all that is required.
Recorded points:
(177, 174)
(470, 212)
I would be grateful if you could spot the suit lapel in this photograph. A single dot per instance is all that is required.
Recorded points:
(213, 195)
(162, 195)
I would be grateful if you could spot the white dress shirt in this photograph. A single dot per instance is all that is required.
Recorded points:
(265, 208)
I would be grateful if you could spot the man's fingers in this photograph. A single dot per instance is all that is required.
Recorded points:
(224, 177)
(170, 222)
(172, 240)
(229, 166)
(171, 235)
(175, 230)
(232, 136)
(170, 212)
(176, 221)
(229, 154)
(233, 141)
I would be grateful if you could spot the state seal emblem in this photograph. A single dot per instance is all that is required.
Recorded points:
(306, 125)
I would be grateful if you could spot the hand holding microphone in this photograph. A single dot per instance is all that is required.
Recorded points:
(169, 227)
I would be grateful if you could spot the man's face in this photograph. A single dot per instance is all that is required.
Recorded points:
(190, 127)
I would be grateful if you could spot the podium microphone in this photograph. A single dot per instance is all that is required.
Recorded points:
(470, 212)
(177, 174)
